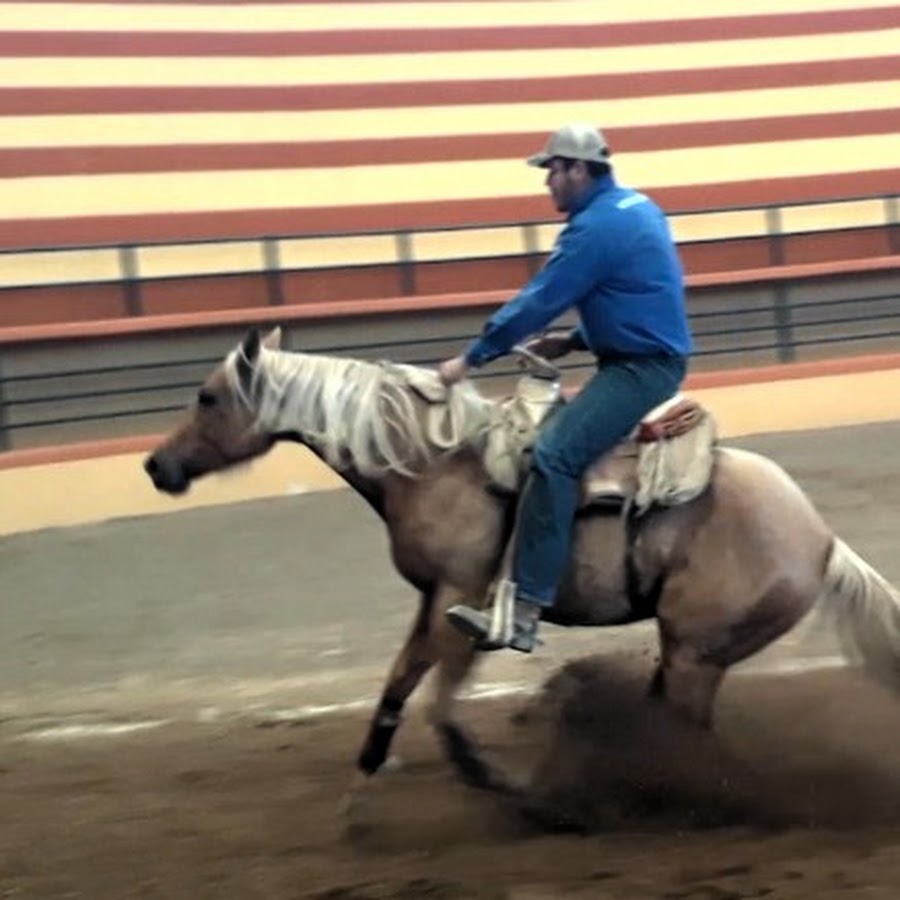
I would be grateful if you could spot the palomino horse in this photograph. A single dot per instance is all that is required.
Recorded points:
(724, 574)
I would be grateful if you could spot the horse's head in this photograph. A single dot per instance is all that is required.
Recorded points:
(219, 429)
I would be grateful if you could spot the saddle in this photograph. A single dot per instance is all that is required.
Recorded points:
(666, 461)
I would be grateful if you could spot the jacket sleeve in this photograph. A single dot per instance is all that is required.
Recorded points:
(578, 263)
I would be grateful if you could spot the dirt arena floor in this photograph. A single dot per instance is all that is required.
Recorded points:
(224, 777)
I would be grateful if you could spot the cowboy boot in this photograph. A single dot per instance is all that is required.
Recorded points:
(476, 624)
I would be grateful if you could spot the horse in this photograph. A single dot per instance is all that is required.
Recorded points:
(723, 574)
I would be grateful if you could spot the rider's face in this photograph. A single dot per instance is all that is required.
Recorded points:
(566, 182)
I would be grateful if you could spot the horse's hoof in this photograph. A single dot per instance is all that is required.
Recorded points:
(352, 802)
(357, 822)
(347, 805)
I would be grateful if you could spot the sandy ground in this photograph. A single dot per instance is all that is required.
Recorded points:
(224, 632)
(802, 800)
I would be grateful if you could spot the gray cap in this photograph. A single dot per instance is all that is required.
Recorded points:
(574, 141)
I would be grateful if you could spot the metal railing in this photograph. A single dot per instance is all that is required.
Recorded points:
(780, 322)
(134, 397)
(271, 257)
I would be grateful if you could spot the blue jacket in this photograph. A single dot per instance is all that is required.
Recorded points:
(617, 263)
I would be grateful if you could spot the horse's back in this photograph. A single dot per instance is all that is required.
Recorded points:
(758, 487)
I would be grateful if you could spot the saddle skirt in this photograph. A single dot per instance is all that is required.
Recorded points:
(666, 461)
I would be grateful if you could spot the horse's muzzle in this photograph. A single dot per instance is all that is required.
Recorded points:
(166, 473)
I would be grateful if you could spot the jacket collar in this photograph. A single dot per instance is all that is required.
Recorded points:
(603, 184)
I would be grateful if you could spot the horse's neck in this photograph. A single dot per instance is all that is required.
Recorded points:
(372, 490)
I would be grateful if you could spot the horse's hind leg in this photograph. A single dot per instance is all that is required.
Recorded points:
(687, 683)
(695, 655)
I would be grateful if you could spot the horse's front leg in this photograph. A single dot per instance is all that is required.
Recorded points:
(416, 657)
(456, 654)
(418, 654)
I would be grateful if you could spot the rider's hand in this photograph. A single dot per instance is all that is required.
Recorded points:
(551, 346)
(453, 370)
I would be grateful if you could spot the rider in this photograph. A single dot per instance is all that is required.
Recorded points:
(616, 263)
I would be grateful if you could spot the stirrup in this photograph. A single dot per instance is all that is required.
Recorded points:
(493, 629)
(502, 628)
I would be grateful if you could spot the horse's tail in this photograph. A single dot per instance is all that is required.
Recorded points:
(865, 608)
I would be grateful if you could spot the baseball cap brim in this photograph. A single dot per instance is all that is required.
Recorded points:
(539, 160)
(542, 160)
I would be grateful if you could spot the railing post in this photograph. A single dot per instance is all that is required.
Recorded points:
(775, 232)
(131, 282)
(272, 264)
(781, 294)
(406, 258)
(5, 438)
(784, 322)
(532, 249)
(892, 216)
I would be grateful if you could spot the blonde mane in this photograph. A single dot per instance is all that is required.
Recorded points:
(372, 417)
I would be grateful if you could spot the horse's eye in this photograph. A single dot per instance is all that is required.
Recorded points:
(206, 398)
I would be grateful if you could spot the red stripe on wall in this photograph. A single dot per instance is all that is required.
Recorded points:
(80, 231)
(251, 3)
(69, 101)
(423, 40)
(45, 161)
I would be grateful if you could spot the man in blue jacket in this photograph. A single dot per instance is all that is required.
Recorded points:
(616, 263)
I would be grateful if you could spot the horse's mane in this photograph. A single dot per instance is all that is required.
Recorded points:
(360, 414)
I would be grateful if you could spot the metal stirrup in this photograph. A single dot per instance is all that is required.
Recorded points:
(500, 632)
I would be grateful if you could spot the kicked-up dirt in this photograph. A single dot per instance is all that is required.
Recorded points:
(798, 795)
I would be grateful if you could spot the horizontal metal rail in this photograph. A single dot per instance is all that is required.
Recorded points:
(121, 263)
(497, 372)
(781, 322)
(368, 347)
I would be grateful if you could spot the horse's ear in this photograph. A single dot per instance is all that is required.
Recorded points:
(272, 341)
(250, 346)
(246, 358)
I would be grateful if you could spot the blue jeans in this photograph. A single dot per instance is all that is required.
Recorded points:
(602, 414)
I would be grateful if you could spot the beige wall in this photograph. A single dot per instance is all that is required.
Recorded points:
(92, 490)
